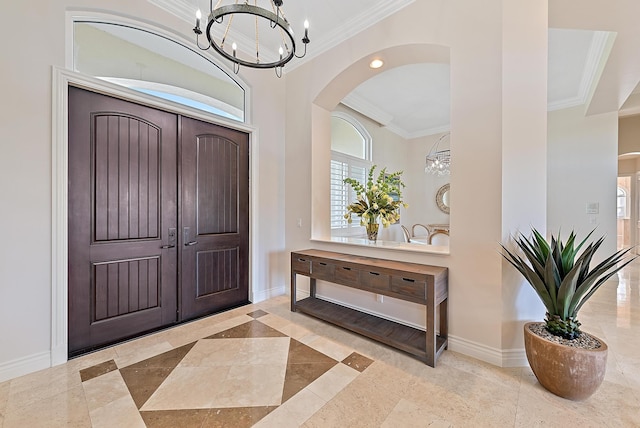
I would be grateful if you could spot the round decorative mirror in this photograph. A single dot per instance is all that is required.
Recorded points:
(442, 198)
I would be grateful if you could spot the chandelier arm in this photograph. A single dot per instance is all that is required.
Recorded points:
(278, 71)
(305, 52)
(198, 43)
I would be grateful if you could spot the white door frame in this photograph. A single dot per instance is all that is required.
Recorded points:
(61, 80)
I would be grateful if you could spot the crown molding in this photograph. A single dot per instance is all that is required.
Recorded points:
(372, 15)
(589, 73)
(365, 108)
(594, 57)
(565, 103)
(419, 133)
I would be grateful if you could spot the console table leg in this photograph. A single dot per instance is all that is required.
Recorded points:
(312, 287)
(444, 326)
(293, 292)
(431, 326)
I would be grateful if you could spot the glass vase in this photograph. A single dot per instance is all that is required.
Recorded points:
(372, 232)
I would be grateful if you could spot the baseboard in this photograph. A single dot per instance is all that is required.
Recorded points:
(25, 365)
(514, 358)
(262, 295)
(495, 356)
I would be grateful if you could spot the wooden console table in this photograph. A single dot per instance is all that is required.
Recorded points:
(426, 285)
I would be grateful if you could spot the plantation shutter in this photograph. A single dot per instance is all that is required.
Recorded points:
(344, 166)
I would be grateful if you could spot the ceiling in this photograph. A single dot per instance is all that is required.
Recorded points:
(586, 67)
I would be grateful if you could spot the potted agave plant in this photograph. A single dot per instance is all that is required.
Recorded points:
(566, 361)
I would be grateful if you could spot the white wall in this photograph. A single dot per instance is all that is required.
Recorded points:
(25, 172)
(582, 168)
(424, 186)
(484, 123)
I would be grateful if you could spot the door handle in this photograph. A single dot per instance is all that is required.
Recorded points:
(172, 239)
(187, 237)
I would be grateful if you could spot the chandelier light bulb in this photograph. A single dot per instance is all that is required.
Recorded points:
(234, 47)
(197, 27)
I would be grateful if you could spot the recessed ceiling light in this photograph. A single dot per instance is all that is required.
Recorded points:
(376, 63)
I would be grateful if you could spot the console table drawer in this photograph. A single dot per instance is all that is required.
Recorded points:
(323, 270)
(300, 264)
(375, 281)
(409, 287)
(348, 276)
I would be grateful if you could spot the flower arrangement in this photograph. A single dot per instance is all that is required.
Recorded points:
(375, 200)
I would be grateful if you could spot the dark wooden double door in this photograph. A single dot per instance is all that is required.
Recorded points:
(158, 219)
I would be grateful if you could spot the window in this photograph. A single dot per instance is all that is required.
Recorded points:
(350, 158)
(156, 65)
(622, 203)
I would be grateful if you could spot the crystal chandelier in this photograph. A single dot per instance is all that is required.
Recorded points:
(262, 31)
(438, 161)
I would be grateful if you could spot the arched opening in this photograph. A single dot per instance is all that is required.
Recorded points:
(390, 149)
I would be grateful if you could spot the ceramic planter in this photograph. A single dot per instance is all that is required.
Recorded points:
(567, 371)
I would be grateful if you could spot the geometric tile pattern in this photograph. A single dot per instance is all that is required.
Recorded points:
(232, 378)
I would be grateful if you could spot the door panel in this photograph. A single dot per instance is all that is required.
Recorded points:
(122, 203)
(215, 218)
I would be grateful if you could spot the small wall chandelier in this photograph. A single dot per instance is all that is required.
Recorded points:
(273, 40)
(438, 161)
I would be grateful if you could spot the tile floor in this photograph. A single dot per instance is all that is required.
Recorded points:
(263, 366)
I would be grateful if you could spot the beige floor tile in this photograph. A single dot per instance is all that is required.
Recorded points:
(118, 413)
(65, 409)
(333, 381)
(295, 411)
(264, 351)
(274, 321)
(409, 414)
(335, 350)
(212, 352)
(224, 352)
(362, 403)
(104, 389)
(25, 390)
(251, 385)
(188, 388)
